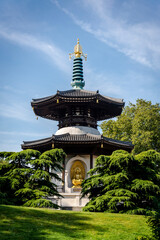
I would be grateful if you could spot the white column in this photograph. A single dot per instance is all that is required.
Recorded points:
(66, 181)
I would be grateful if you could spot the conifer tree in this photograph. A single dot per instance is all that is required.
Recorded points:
(124, 183)
(40, 183)
(6, 193)
(30, 176)
(19, 171)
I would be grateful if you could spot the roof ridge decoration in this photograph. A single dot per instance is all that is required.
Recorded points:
(77, 77)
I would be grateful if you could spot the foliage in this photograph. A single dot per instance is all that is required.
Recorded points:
(6, 193)
(139, 123)
(4, 155)
(154, 223)
(30, 176)
(123, 182)
(17, 223)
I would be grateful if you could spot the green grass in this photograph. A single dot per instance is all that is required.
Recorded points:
(20, 223)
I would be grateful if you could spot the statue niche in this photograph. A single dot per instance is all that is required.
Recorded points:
(77, 174)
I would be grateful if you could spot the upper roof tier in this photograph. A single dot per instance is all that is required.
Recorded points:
(77, 107)
(78, 93)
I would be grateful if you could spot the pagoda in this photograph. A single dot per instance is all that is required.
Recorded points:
(77, 112)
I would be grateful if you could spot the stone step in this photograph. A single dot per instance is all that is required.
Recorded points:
(78, 209)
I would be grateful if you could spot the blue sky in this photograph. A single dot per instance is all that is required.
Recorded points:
(121, 39)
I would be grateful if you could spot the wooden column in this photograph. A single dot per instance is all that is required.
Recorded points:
(91, 161)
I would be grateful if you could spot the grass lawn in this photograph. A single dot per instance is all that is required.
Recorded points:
(20, 223)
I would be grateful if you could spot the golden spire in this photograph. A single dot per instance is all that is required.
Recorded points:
(77, 51)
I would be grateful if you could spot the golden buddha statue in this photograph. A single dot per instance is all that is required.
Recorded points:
(77, 180)
(77, 174)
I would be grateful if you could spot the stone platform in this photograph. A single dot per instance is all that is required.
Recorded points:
(71, 201)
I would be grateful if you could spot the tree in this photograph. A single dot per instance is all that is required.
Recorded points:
(31, 173)
(4, 155)
(6, 193)
(39, 185)
(139, 123)
(123, 182)
(19, 171)
(154, 223)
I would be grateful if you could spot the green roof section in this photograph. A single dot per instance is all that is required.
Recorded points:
(77, 77)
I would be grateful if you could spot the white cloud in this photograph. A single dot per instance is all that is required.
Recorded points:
(139, 41)
(55, 53)
(8, 88)
(28, 134)
(15, 110)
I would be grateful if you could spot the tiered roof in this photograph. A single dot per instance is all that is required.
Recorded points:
(78, 107)
(66, 140)
(103, 107)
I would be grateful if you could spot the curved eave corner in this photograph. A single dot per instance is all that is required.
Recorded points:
(119, 143)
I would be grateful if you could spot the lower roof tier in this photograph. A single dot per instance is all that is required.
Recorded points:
(75, 107)
(79, 144)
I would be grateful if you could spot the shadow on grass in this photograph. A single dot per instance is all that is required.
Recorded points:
(26, 224)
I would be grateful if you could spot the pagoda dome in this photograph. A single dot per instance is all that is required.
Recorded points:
(79, 130)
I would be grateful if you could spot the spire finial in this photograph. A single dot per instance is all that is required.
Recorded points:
(77, 77)
(77, 51)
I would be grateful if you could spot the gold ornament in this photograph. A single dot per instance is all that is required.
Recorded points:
(78, 51)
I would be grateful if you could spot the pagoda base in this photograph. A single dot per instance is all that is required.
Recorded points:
(71, 201)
